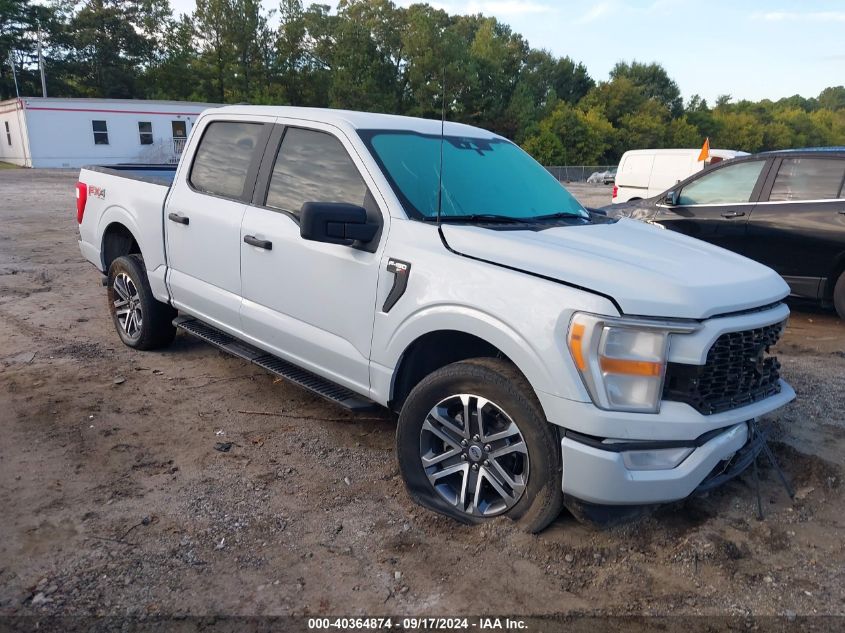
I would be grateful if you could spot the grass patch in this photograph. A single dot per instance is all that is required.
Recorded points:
(8, 165)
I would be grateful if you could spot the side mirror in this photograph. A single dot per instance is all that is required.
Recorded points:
(335, 223)
(671, 198)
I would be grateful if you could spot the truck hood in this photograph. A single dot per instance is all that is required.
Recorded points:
(647, 270)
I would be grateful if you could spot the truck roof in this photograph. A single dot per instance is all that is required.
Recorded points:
(359, 120)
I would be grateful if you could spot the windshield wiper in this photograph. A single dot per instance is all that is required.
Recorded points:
(557, 216)
(481, 218)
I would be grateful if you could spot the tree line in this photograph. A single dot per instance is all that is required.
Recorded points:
(372, 55)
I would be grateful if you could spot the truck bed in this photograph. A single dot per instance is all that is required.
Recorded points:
(154, 174)
(130, 196)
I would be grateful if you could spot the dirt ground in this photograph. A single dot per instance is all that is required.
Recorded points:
(116, 502)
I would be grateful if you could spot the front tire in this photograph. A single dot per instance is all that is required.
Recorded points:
(473, 444)
(839, 296)
(141, 321)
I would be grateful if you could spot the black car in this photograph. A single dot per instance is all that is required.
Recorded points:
(785, 209)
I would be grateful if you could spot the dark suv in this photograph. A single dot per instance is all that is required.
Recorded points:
(785, 209)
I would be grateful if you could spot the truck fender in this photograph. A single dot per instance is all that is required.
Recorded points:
(476, 323)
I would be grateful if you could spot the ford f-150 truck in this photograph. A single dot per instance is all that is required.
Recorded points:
(537, 354)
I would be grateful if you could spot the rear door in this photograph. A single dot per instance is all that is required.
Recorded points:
(203, 215)
(310, 302)
(716, 205)
(798, 227)
(633, 176)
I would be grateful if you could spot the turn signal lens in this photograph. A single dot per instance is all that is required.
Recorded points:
(630, 367)
(576, 342)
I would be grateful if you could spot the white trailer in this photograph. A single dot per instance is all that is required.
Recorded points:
(39, 132)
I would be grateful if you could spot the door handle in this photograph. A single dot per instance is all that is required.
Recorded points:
(254, 241)
(733, 214)
(178, 218)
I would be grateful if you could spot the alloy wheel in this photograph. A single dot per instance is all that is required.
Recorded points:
(474, 455)
(127, 305)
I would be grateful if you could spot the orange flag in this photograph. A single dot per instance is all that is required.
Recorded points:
(705, 150)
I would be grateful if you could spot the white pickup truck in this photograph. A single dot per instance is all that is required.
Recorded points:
(538, 355)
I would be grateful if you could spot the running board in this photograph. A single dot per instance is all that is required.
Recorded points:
(298, 376)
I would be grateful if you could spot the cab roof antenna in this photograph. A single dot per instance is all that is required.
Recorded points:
(442, 134)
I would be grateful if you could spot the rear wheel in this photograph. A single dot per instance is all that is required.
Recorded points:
(141, 321)
(473, 444)
(839, 296)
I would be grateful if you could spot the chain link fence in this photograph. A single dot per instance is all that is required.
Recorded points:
(579, 173)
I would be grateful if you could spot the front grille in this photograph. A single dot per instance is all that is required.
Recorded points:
(738, 372)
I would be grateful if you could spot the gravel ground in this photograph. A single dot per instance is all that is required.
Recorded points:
(117, 502)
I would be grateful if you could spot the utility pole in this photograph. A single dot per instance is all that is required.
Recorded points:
(14, 73)
(41, 64)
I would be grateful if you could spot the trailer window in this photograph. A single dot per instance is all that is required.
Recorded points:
(223, 158)
(8, 134)
(101, 132)
(145, 132)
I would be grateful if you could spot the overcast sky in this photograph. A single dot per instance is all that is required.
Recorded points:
(750, 49)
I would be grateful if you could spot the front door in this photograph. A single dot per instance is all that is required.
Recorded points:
(716, 206)
(798, 228)
(203, 215)
(309, 302)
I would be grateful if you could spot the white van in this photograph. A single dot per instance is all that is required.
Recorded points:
(644, 173)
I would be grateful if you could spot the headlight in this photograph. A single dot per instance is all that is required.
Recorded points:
(622, 361)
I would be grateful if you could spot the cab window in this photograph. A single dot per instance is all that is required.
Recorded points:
(729, 184)
(808, 179)
(223, 158)
(313, 166)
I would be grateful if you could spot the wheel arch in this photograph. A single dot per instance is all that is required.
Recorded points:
(437, 347)
(431, 351)
(118, 240)
(837, 269)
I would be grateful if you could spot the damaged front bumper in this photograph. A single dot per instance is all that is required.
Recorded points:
(614, 473)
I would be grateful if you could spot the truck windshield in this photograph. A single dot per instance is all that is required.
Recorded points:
(483, 178)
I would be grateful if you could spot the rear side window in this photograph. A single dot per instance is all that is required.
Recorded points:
(223, 158)
(313, 167)
(101, 132)
(731, 184)
(808, 179)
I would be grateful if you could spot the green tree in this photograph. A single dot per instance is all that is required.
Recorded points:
(832, 98)
(570, 135)
(654, 82)
(433, 52)
(18, 40)
(618, 97)
(375, 55)
(644, 128)
(217, 57)
(366, 58)
(235, 48)
(105, 45)
(681, 133)
(738, 130)
(175, 72)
